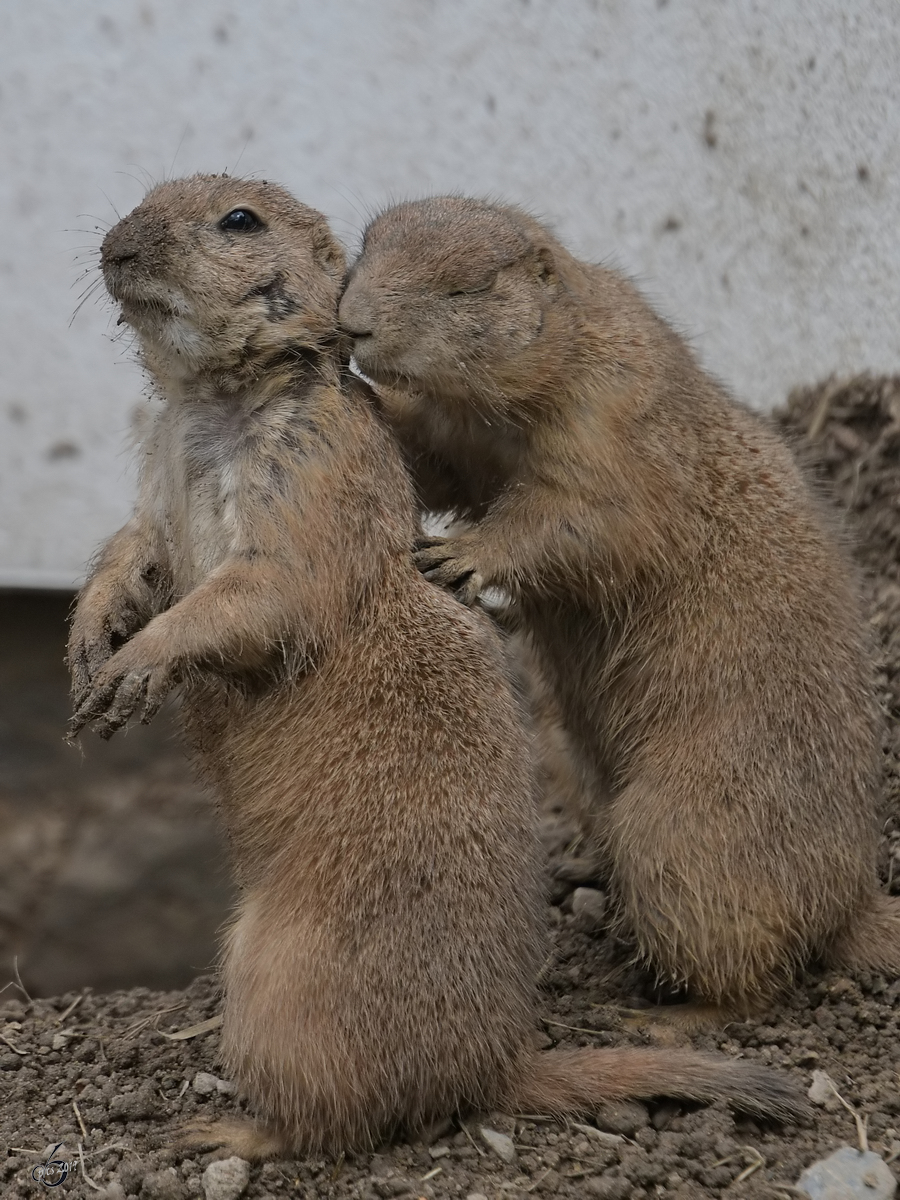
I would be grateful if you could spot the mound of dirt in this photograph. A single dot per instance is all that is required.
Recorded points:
(848, 435)
(103, 1075)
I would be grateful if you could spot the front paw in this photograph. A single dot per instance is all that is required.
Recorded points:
(92, 642)
(134, 678)
(451, 563)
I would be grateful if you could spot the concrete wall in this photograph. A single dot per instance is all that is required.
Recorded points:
(741, 159)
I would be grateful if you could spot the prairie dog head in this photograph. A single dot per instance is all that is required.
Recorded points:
(215, 274)
(450, 296)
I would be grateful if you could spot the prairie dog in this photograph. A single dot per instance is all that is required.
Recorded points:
(368, 753)
(674, 574)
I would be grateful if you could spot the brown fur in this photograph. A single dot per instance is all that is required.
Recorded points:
(673, 572)
(367, 750)
(563, 781)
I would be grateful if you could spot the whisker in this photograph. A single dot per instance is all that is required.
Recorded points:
(92, 286)
(177, 150)
(233, 170)
(111, 205)
(80, 306)
(144, 184)
(102, 223)
(86, 294)
(147, 175)
(82, 253)
(366, 213)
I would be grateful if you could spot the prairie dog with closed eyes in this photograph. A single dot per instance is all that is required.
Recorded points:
(675, 575)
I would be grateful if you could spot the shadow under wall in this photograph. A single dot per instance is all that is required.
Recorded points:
(113, 870)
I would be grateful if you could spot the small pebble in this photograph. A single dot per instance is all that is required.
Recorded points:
(599, 1135)
(500, 1143)
(589, 907)
(134, 1106)
(163, 1185)
(848, 1174)
(225, 1179)
(205, 1084)
(576, 870)
(625, 1117)
(822, 1091)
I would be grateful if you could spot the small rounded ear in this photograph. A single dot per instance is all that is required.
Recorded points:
(328, 252)
(546, 268)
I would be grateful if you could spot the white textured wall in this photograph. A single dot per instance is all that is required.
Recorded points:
(740, 159)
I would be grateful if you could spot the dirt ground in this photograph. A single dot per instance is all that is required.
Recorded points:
(112, 863)
(102, 1071)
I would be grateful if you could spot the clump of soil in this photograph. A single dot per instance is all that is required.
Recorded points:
(848, 435)
(102, 1071)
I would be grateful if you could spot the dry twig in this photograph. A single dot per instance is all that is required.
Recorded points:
(861, 1122)
(574, 1028)
(540, 1179)
(72, 1006)
(141, 1025)
(17, 982)
(4, 1038)
(90, 1182)
(194, 1030)
(477, 1148)
(77, 1110)
(756, 1161)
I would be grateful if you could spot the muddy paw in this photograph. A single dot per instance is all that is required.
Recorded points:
(129, 681)
(94, 640)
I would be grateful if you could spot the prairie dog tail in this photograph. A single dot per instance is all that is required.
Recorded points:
(566, 1082)
(871, 941)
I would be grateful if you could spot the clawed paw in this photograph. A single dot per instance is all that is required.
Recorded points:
(247, 1139)
(127, 683)
(91, 645)
(450, 563)
(669, 1024)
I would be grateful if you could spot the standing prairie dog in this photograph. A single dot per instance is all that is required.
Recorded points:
(368, 754)
(673, 572)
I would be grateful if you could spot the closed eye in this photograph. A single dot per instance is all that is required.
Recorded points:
(472, 291)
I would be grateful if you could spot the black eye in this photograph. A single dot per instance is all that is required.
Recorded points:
(241, 220)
